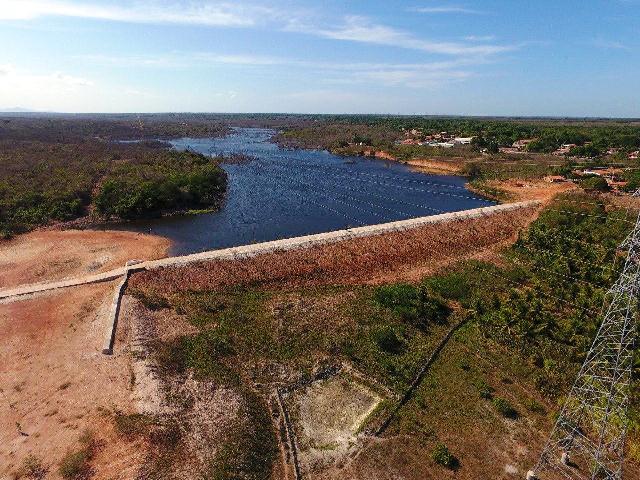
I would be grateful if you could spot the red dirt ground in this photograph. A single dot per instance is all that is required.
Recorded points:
(54, 381)
(72, 253)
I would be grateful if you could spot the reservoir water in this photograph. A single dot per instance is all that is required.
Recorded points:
(287, 193)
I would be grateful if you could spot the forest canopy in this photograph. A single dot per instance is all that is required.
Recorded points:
(43, 183)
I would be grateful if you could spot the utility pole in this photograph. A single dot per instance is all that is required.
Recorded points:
(588, 439)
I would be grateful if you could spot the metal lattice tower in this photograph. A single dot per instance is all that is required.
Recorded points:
(588, 439)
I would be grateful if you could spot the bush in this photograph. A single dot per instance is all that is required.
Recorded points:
(455, 285)
(485, 390)
(595, 183)
(472, 170)
(534, 406)
(633, 180)
(389, 341)
(75, 465)
(32, 468)
(151, 301)
(634, 450)
(442, 456)
(202, 352)
(505, 408)
(133, 424)
(415, 305)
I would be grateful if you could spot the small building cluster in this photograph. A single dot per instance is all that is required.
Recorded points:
(440, 139)
(613, 176)
(564, 149)
(519, 146)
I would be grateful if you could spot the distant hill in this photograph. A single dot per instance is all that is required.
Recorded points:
(16, 110)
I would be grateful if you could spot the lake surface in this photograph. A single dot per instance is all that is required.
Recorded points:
(288, 193)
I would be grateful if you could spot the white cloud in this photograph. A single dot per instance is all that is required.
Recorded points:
(609, 44)
(421, 74)
(42, 91)
(208, 14)
(13, 75)
(189, 59)
(360, 29)
(480, 38)
(416, 77)
(446, 9)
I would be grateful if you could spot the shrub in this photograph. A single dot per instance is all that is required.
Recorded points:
(131, 425)
(595, 183)
(415, 305)
(472, 170)
(485, 390)
(388, 340)
(75, 465)
(151, 301)
(534, 406)
(442, 456)
(505, 408)
(202, 352)
(465, 365)
(634, 450)
(452, 285)
(32, 468)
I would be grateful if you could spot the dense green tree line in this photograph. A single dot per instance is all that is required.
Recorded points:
(593, 138)
(185, 180)
(46, 182)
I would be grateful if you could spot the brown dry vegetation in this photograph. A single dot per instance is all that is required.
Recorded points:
(397, 256)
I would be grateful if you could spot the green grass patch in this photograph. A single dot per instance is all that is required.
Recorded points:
(505, 408)
(442, 456)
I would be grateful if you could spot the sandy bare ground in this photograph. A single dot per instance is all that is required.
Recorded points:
(54, 381)
(54, 255)
(440, 167)
(329, 414)
(522, 190)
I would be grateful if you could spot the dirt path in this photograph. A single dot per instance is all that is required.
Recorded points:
(522, 190)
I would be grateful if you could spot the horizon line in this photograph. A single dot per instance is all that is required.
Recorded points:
(434, 115)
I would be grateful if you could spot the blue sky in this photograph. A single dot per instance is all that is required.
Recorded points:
(468, 57)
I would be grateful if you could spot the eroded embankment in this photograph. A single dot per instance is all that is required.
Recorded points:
(401, 254)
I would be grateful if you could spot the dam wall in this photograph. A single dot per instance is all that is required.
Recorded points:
(283, 245)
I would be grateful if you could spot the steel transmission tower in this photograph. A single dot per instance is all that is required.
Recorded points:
(588, 439)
